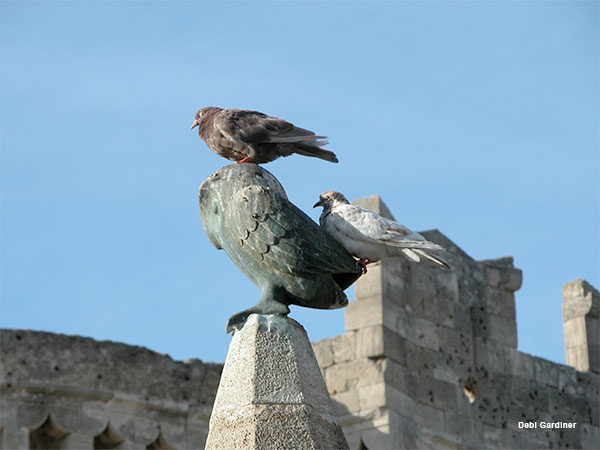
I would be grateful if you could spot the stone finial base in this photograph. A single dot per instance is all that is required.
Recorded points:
(272, 394)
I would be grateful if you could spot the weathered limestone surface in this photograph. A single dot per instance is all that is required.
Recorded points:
(429, 359)
(62, 391)
(272, 394)
(434, 363)
(581, 308)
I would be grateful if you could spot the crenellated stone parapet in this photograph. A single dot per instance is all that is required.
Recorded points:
(72, 392)
(429, 360)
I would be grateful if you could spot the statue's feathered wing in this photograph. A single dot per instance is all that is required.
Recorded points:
(277, 234)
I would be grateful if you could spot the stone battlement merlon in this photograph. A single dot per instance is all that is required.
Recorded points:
(581, 308)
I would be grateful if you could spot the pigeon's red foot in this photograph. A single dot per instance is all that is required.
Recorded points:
(246, 159)
(362, 262)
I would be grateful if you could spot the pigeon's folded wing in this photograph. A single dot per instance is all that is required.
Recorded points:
(274, 231)
(255, 129)
(363, 225)
(251, 127)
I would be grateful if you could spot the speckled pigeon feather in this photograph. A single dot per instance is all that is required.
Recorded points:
(371, 237)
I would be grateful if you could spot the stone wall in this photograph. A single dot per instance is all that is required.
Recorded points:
(71, 392)
(429, 359)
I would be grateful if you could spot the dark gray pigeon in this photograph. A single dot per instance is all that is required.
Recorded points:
(293, 261)
(242, 135)
(371, 237)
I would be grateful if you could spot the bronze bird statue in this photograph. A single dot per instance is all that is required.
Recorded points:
(292, 260)
(242, 135)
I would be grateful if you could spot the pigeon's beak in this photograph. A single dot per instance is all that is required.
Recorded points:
(319, 203)
(194, 125)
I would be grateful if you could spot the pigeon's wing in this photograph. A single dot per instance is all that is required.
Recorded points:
(253, 127)
(278, 234)
(363, 225)
(244, 125)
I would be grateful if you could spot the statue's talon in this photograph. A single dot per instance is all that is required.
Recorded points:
(238, 320)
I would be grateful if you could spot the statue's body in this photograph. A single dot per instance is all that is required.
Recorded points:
(245, 212)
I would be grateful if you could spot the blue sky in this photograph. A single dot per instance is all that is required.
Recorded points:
(476, 118)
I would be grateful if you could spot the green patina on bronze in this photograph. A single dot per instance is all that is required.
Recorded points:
(245, 212)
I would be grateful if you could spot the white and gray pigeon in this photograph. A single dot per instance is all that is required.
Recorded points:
(371, 237)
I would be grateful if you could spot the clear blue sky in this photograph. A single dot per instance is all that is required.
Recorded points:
(476, 118)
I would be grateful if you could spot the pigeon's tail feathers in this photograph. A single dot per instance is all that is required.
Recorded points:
(433, 258)
(317, 141)
(314, 151)
(299, 135)
(321, 141)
